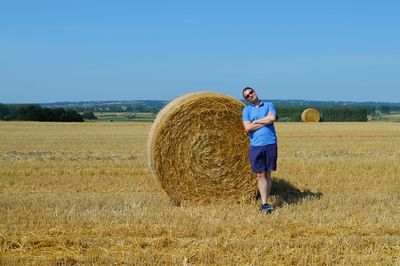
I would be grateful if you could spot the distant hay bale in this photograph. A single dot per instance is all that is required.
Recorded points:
(310, 115)
(197, 148)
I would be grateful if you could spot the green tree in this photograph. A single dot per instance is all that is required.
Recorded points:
(37, 113)
(5, 110)
(89, 116)
(384, 109)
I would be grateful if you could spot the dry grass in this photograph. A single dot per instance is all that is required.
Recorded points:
(81, 193)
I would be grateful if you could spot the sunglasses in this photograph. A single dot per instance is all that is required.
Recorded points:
(248, 95)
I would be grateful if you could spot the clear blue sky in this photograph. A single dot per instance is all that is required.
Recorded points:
(136, 50)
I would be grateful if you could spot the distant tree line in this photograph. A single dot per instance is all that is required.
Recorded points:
(380, 107)
(289, 114)
(344, 114)
(37, 113)
(328, 114)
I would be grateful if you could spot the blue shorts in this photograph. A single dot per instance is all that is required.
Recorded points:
(263, 158)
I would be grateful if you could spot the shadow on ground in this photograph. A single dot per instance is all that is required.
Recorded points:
(283, 192)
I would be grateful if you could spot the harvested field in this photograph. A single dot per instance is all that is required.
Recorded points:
(81, 193)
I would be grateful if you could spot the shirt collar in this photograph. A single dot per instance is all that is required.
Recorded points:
(261, 104)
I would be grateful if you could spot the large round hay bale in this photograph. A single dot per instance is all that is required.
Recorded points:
(197, 148)
(310, 115)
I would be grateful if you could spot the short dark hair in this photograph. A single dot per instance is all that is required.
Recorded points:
(245, 89)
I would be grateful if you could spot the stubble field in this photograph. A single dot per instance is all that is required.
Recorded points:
(81, 193)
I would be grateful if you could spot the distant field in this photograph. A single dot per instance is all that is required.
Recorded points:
(124, 117)
(391, 117)
(81, 193)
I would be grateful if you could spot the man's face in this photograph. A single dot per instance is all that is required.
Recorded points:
(250, 95)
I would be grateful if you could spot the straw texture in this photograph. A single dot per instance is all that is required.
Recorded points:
(197, 148)
(310, 115)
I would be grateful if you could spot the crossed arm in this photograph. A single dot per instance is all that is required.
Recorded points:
(259, 123)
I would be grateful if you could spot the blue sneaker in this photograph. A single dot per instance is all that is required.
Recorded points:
(266, 208)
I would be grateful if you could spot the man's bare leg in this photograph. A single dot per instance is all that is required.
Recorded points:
(262, 186)
(269, 182)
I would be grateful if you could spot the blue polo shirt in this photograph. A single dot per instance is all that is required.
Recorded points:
(265, 135)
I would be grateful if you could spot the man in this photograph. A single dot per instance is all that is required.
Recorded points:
(258, 121)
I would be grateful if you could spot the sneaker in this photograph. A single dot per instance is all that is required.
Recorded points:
(266, 208)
